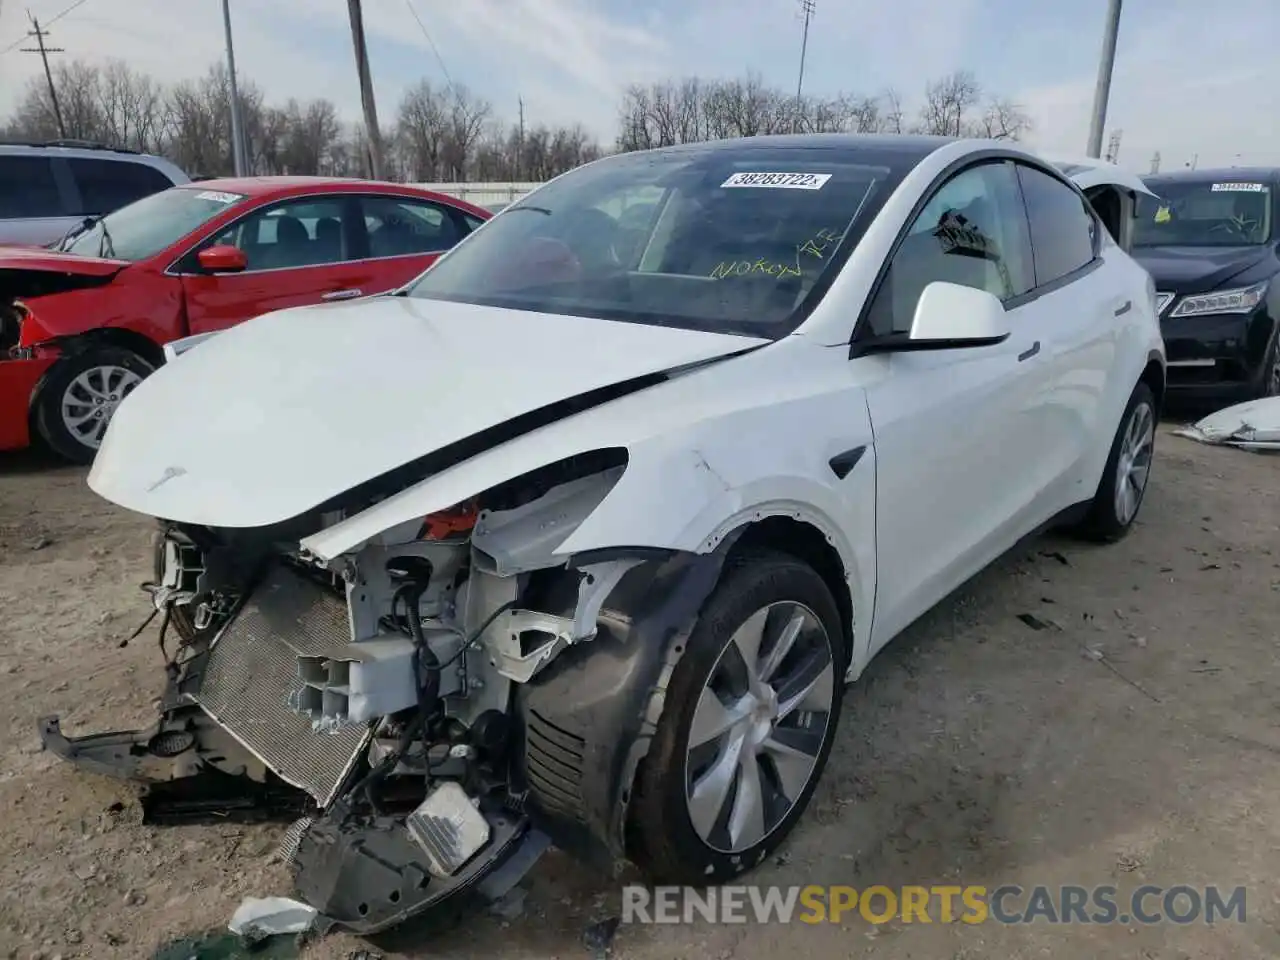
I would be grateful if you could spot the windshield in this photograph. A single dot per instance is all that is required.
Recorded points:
(723, 240)
(144, 228)
(1203, 214)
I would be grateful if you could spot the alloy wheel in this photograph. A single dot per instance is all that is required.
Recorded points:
(1133, 466)
(91, 399)
(759, 727)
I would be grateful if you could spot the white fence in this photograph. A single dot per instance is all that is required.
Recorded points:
(482, 194)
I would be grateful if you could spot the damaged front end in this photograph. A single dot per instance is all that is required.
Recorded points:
(430, 709)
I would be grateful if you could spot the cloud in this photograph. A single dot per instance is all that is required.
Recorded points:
(1186, 83)
(1191, 87)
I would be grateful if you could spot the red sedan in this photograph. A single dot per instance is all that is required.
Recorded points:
(82, 323)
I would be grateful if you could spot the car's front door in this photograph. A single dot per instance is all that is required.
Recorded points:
(301, 251)
(955, 430)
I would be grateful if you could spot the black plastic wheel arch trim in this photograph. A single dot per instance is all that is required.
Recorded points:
(602, 700)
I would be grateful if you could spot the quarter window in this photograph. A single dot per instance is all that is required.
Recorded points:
(971, 232)
(1064, 233)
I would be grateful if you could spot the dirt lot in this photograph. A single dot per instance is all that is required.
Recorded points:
(1135, 739)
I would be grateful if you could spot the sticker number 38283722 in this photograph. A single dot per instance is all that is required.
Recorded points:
(779, 181)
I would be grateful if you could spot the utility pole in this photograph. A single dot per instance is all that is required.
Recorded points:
(807, 7)
(239, 156)
(520, 144)
(372, 132)
(1102, 93)
(44, 52)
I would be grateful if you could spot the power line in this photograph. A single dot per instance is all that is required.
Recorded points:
(434, 49)
(48, 23)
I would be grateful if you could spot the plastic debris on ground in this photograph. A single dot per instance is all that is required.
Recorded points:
(1253, 425)
(258, 917)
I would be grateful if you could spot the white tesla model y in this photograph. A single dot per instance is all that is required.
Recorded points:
(579, 535)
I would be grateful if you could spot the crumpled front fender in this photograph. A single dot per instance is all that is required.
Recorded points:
(588, 719)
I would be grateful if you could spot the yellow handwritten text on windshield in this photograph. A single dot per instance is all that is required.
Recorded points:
(816, 246)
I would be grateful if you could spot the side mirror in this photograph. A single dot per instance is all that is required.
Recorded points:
(223, 258)
(949, 316)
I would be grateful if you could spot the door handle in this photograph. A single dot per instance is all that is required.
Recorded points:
(1030, 352)
(343, 295)
(1124, 308)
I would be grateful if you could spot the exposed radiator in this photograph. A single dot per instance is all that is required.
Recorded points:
(252, 673)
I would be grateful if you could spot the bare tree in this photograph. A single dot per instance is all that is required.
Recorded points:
(892, 113)
(1002, 120)
(948, 102)
(466, 121)
(421, 126)
(133, 110)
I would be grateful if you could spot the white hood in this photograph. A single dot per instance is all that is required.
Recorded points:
(278, 415)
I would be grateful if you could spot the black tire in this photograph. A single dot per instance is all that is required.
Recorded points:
(662, 839)
(1104, 522)
(49, 422)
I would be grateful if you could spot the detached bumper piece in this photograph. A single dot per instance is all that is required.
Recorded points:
(367, 876)
(175, 787)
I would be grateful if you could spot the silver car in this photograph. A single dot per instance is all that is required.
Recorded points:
(46, 189)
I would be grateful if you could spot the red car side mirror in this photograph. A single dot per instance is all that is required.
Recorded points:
(223, 258)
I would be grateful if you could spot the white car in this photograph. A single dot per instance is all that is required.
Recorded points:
(581, 535)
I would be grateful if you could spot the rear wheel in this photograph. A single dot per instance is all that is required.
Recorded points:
(1124, 480)
(750, 714)
(79, 397)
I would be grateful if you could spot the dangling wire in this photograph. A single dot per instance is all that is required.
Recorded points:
(137, 633)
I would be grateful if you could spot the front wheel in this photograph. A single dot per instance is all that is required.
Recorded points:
(1124, 479)
(79, 397)
(750, 714)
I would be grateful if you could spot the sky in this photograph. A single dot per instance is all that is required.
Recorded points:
(1194, 81)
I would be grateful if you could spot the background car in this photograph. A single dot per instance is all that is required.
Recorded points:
(87, 320)
(46, 189)
(1209, 242)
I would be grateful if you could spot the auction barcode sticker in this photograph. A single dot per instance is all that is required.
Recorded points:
(779, 181)
(218, 197)
(1238, 187)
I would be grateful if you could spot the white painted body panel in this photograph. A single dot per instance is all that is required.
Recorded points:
(298, 406)
(966, 450)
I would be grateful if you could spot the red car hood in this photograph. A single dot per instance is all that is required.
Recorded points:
(50, 261)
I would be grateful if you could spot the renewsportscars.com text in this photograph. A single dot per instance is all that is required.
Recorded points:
(1009, 904)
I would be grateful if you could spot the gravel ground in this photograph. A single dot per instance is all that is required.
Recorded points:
(1131, 740)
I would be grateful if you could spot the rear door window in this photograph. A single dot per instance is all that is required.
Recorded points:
(401, 226)
(1063, 229)
(28, 189)
(107, 185)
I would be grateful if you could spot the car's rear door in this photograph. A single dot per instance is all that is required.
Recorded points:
(35, 200)
(300, 251)
(1081, 279)
(406, 234)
